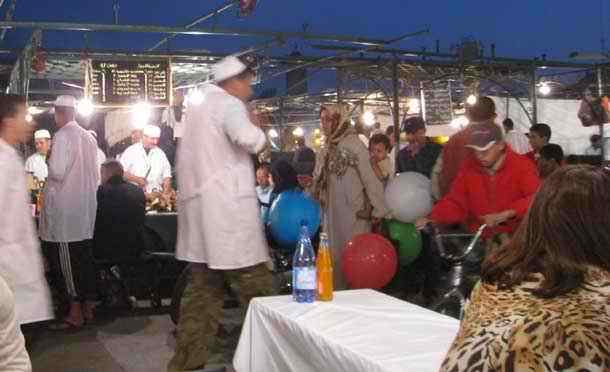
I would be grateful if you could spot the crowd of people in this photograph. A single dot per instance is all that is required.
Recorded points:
(545, 278)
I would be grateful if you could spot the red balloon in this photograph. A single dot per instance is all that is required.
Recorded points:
(369, 261)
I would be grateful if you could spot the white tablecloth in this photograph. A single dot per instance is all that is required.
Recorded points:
(360, 330)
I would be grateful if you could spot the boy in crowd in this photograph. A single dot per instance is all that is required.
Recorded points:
(379, 147)
(540, 135)
(550, 159)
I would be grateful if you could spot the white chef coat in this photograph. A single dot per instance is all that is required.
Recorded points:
(154, 166)
(219, 219)
(70, 202)
(21, 262)
(37, 165)
(13, 355)
(169, 117)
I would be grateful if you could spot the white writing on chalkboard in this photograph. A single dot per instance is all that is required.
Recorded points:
(120, 83)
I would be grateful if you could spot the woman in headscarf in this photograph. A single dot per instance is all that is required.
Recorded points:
(343, 179)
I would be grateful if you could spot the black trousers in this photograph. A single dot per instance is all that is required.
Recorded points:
(72, 269)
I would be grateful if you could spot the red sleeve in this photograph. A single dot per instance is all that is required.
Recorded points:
(528, 186)
(453, 208)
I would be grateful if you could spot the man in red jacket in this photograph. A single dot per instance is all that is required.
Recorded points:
(495, 187)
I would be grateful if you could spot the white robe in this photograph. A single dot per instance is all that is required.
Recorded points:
(70, 202)
(347, 196)
(21, 261)
(219, 220)
(37, 166)
(13, 355)
(154, 166)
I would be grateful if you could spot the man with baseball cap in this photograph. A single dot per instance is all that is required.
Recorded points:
(68, 214)
(454, 151)
(146, 165)
(36, 165)
(219, 227)
(494, 187)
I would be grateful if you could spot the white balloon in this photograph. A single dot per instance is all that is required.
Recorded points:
(408, 196)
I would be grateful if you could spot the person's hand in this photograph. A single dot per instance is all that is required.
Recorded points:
(496, 219)
(422, 222)
(376, 224)
(140, 181)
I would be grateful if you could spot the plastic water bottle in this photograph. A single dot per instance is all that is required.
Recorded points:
(304, 281)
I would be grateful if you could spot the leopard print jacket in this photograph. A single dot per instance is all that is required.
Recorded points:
(516, 331)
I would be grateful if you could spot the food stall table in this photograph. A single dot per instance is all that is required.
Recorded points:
(360, 330)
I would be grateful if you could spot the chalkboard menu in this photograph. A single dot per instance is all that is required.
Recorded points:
(437, 98)
(120, 83)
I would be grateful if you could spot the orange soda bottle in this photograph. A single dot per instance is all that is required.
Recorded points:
(324, 267)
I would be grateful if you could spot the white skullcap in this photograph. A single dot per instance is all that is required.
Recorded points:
(227, 68)
(65, 101)
(42, 134)
(152, 131)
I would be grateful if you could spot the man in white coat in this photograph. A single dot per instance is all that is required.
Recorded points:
(68, 214)
(36, 165)
(21, 263)
(146, 165)
(219, 226)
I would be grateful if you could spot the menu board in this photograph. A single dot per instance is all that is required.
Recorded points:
(437, 100)
(120, 83)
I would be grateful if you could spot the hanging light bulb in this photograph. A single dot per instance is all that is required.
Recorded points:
(368, 118)
(85, 107)
(471, 100)
(544, 89)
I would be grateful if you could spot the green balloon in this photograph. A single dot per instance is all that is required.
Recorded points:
(408, 238)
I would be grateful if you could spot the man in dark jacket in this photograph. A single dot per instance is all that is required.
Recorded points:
(121, 208)
(421, 154)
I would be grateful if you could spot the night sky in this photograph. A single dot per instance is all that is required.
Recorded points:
(520, 28)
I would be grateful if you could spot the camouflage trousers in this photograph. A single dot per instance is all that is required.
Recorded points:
(201, 309)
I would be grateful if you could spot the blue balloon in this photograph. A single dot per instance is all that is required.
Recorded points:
(289, 211)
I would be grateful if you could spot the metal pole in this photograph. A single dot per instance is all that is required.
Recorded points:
(396, 107)
(9, 16)
(197, 21)
(281, 137)
(600, 93)
(534, 97)
(70, 26)
(115, 9)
